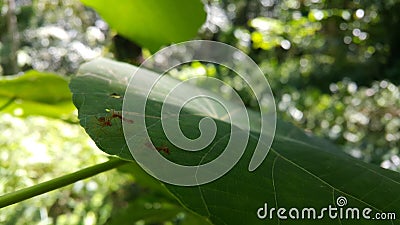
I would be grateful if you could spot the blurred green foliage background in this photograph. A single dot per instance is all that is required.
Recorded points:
(334, 67)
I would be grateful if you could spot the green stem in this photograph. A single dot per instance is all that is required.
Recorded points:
(59, 182)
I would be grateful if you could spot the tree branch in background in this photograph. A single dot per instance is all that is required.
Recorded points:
(11, 64)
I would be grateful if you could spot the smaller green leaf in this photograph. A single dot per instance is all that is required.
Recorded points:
(36, 93)
(154, 205)
(152, 23)
(142, 178)
(154, 211)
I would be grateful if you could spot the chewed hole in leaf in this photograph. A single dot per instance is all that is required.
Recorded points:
(115, 95)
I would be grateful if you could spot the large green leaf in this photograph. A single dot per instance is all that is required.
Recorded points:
(36, 93)
(152, 23)
(299, 171)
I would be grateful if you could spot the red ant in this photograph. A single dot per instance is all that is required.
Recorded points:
(118, 114)
(164, 149)
(104, 121)
(159, 149)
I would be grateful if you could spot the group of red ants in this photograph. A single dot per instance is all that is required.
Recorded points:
(106, 122)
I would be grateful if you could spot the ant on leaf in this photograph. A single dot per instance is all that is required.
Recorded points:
(164, 149)
(105, 121)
